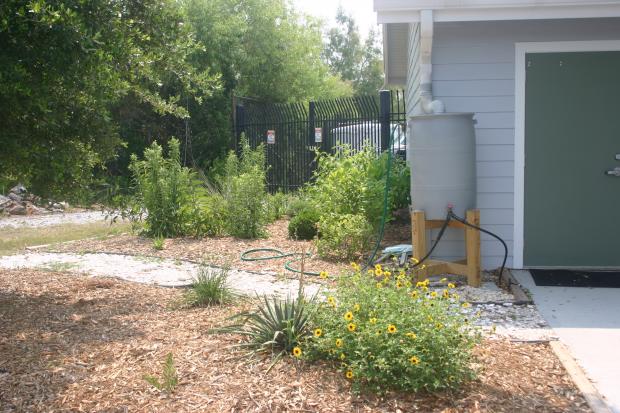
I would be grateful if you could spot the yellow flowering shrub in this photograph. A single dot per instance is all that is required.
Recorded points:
(396, 336)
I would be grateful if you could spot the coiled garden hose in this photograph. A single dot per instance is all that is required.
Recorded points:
(278, 254)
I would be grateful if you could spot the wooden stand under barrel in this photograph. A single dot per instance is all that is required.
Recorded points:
(468, 267)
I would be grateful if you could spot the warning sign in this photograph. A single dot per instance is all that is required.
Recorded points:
(318, 135)
(271, 136)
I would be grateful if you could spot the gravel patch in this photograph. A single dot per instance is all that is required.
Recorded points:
(154, 271)
(39, 221)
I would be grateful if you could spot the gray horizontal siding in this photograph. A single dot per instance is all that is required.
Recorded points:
(473, 71)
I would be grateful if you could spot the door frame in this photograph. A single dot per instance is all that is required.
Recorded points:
(521, 49)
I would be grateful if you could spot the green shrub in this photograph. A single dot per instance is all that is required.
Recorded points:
(304, 225)
(209, 288)
(158, 243)
(245, 193)
(344, 184)
(344, 236)
(400, 180)
(391, 335)
(210, 217)
(298, 204)
(277, 205)
(164, 189)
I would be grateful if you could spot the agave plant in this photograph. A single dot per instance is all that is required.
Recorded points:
(275, 327)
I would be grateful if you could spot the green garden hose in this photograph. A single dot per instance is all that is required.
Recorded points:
(280, 254)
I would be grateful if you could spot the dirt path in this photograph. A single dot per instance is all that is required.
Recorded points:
(150, 270)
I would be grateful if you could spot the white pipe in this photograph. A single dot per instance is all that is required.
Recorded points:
(426, 66)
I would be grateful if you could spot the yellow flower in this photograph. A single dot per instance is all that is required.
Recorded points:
(414, 360)
(391, 329)
(297, 352)
(438, 326)
(455, 296)
(445, 294)
(348, 316)
(351, 327)
(379, 285)
(338, 342)
(356, 307)
(399, 284)
(370, 271)
(412, 336)
(443, 280)
(387, 274)
(425, 288)
(342, 356)
(414, 294)
(349, 374)
(466, 305)
(331, 300)
(318, 332)
(378, 273)
(402, 274)
(426, 282)
(433, 294)
(415, 260)
(419, 284)
(450, 285)
(323, 275)
(355, 266)
(372, 320)
(378, 267)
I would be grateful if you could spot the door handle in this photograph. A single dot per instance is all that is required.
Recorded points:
(613, 172)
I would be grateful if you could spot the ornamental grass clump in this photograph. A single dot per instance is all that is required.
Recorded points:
(386, 333)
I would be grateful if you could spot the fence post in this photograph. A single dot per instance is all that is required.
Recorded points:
(385, 107)
(311, 122)
(239, 125)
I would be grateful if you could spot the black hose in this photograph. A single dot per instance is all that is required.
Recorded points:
(439, 235)
(497, 237)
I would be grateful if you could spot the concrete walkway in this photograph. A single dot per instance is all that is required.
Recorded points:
(587, 321)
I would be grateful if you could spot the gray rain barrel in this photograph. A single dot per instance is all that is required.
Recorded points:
(442, 156)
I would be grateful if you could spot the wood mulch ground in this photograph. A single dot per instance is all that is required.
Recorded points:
(69, 343)
(227, 250)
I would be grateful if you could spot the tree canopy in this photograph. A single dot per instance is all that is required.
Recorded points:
(86, 83)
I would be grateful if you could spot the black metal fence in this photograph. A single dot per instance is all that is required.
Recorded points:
(292, 132)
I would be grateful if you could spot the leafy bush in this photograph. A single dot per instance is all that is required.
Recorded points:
(344, 184)
(165, 189)
(349, 192)
(344, 236)
(277, 205)
(245, 192)
(276, 327)
(158, 243)
(210, 216)
(304, 224)
(392, 335)
(298, 203)
(209, 288)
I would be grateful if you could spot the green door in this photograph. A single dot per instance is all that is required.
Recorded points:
(572, 138)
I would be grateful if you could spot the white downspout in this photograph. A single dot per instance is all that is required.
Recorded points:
(426, 66)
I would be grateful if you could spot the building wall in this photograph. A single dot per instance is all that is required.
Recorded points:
(413, 70)
(473, 71)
